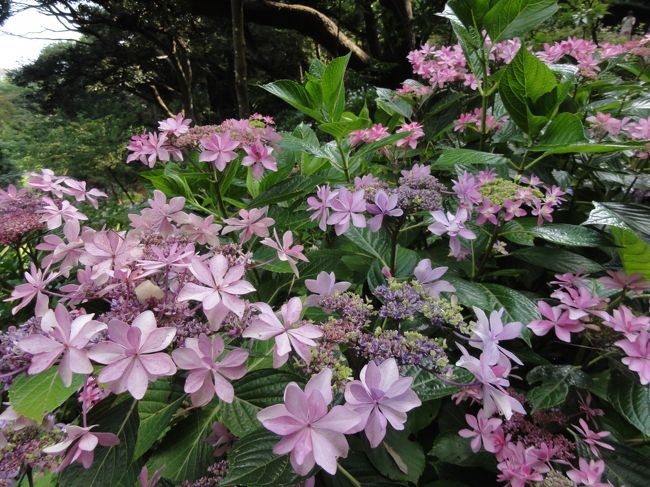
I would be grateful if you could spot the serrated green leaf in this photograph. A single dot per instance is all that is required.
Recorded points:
(155, 411)
(513, 18)
(631, 400)
(565, 129)
(295, 95)
(449, 158)
(251, 462)
(374, 244)
(47, 387)
(548, 395)
(634, 252)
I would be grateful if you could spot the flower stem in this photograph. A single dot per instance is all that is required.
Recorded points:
(344, 159)
(222, 207)
(349, 476)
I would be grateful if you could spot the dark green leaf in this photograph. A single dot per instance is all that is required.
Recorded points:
(155, 410)
(374, 244)
(452, 157)
(548, 395)
(253, 463)
(634, 252)
(428, 387)
(397, 457)
(565, 129)
(558, 260)
(631, 400)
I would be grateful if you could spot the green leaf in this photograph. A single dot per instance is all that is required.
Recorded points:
(634, 252)
(111, 465)
(528, 90)
(548, 395)
(374, 244)
(47, 387)
(185, 455)
(452, 157)
(295, 95)
(451, 448)
(566, 234)
(428, 387)
(633, 216)
(265, 387)
(627, 465)
(490, 297)
(469, 12)
(599, 148)
(405, 262)
(333, 88)
(513, 18)
(565, 129)
(291, 188)
(397, 457)
(631, 400)
(155, 410)
(392, 103)
(251, 462)
(557, 260)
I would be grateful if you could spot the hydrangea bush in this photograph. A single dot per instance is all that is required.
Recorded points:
(447, 288)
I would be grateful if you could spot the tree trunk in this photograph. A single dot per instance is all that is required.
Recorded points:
(239, 51)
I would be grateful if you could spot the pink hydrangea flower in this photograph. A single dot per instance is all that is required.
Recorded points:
(219, 149)
(466, 188)
(259, 157)
(46, 181)
(430, 280)
(323, 286)
(487, 212)
(220, 439)
(66, 252)
(109, 251)
(347, 208)
(640, 130)
(589, 473)
(412, 139)
(220, 284)
(558, 320)
(624, 321)
(580, 302)
(65, 338)
(54, 215)
(78, 190)
(287, 252)
(592, 438)
(251, 222)
(290, 333)
(37, 282)
(483, 431)
(383, 206)
(150, 148)
(453, 226)
(80, 444)
(487, 333)
(133, 354)
(310, 433)
(513, 209)
(417, 171)
(161, 214)
(520, 465)
(380, 397)
(620, 280)
(606, 123)
(208, 374)
(638, 355)
(176, 125)
(201, 230)
(321, 204)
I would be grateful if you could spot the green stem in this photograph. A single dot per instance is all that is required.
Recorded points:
(393, 249)
(535, 161)
(488, 250)
(344, 159)
(349, 476)
(222, 207)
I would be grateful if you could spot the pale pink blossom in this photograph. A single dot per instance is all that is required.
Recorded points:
(513, 209)
(152, 147)
(487, 333)
(347, 207)
(310, 433)
(66, 251)
(383, 206)
(638, 355)
(203, 231)
(219, 149)
(623, 321)
(466, 188)
(109, 251)
(287, 252)
(589, 473)
(520, 465)
(558, 320)
(80, 444)
(323, 286)
(380, 397)
(604, 122)
(37, 282)
(78, 190)
(289, 334)
(176, 125)
(220, 285)
(208, 374)
(592, 438)
(620, 280)
(133, 355)
(430, 280)
(161, 215)
(54, 215)
(63, 337)
(46, 181)
(581, 302)
(453, 226)
(251, 222)
(483, 431)
(487, 212)
(321, 204)
(412, 138)
(259, 157)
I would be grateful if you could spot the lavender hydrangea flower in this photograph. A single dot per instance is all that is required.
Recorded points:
(430, 280)
(383, 206)
(347, 208)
